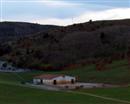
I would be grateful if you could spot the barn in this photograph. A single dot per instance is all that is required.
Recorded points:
(52, 79)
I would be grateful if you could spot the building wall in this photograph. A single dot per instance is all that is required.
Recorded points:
(47, 81)
(42, 81)
(59, 80)
(37, 81)
(64, 80)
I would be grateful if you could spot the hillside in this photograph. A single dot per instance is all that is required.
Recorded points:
(13, 92)
(15, 30)
(23, 94)
(72, 45)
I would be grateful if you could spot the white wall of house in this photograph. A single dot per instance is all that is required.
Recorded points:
(47, 81)
(59, 80)
(64, 79)
(42, 81)
(36, 81)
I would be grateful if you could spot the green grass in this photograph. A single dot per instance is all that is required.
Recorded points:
(11, 92)
(118, 93)
(119, 72)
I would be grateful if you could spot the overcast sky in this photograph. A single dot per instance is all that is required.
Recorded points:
(63, 12)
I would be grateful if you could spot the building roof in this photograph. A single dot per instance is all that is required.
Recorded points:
(48, 76)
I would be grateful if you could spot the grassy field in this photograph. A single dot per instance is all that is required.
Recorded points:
(12, 92)
(119, 72)
(118, 93)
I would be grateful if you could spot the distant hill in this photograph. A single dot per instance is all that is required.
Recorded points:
(71, 45)
(14, 30)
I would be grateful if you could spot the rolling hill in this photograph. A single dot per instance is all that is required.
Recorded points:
(71, 45)
(13, 92)
(15, 30)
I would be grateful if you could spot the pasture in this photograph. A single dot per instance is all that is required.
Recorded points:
(13, 92)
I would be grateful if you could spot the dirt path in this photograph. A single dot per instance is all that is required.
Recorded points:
(101, 97)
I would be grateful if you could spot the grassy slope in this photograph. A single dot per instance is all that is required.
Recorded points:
(118, 93)
(12, 93)
(119, 73)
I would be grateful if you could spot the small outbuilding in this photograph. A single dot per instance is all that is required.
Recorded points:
(52, 79)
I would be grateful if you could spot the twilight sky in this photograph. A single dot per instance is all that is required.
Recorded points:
(63, 12)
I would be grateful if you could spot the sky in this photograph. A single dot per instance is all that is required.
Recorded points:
(63, 12)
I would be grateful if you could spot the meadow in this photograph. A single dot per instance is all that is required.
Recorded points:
(118, 73)
(13, 92)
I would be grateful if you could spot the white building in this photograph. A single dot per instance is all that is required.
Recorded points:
(54, 79)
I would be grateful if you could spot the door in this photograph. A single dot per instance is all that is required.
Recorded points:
(41, 81)
(72, 81)
(54, 82)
